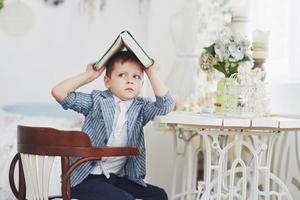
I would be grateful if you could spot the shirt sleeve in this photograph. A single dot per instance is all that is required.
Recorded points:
(79, 102)
(162, 106)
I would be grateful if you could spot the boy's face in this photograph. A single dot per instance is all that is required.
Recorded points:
(126, 80)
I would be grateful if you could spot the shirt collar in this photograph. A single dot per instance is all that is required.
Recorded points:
(127, 103)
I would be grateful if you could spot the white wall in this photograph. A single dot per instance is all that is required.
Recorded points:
(62, 41)
(284, 97)
(159, 145)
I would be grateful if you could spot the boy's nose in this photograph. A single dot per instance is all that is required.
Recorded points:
(130, 82)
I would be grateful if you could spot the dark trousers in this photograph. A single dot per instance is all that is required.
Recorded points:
(98, 187)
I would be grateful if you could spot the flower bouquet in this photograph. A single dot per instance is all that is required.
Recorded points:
(226, 53)
(230, 54)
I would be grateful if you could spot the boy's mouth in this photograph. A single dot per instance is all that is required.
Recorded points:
(129, 89)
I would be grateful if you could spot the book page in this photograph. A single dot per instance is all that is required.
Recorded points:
(116, 46)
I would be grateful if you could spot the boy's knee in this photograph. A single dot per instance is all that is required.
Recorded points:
(161, 193)
(164, 195)
(127, 197)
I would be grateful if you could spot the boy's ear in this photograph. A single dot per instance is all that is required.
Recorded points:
(107, 81)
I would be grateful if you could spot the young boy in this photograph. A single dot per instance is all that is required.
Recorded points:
(115, 117)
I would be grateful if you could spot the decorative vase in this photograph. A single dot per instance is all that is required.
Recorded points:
(222, 99)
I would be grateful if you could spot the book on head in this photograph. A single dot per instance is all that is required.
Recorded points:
(127, 41)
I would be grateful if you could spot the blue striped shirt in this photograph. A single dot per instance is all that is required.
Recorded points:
(98, 108)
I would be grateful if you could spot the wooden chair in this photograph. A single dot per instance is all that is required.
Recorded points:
(37, 147)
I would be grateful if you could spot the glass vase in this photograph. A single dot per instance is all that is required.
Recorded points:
(223, 99)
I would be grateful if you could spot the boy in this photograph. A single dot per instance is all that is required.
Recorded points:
(115, 117)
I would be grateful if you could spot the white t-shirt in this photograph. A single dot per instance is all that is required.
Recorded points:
(118, 137)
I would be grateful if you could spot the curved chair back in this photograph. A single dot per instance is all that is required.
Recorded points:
(37, 147)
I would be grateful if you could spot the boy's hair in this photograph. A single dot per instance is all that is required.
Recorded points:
(121, 56)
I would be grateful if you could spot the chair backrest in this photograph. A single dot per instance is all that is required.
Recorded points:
(37, 147)
(49, 141)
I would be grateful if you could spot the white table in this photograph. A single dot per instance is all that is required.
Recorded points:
(237, 156)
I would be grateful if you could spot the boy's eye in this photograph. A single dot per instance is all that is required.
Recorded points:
(137, 76)
(122, 75)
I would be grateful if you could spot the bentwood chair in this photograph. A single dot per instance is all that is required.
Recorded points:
(37, 147)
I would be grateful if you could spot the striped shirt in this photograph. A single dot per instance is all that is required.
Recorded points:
(98, 108)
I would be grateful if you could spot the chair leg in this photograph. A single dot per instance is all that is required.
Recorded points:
(11, 175)
(22, 186)
(64, 169)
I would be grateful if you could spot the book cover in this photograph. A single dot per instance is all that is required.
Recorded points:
(125, 40)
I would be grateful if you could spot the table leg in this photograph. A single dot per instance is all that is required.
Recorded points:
(239, 178)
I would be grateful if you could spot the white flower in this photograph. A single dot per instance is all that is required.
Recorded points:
(231, 46)
(245, 75)
(244, 67)
(221, 51)
(235, 52)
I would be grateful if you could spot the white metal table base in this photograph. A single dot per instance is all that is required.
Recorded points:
(237, 165)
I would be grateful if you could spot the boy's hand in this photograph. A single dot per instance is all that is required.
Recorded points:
(93, 74)
(152, 69)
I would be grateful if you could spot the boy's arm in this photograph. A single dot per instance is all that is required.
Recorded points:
(164, 102)
(158, 86)
(61, 90)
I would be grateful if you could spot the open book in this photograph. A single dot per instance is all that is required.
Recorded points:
(125, 40)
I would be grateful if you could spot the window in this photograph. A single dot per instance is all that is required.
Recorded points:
(283, 21)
